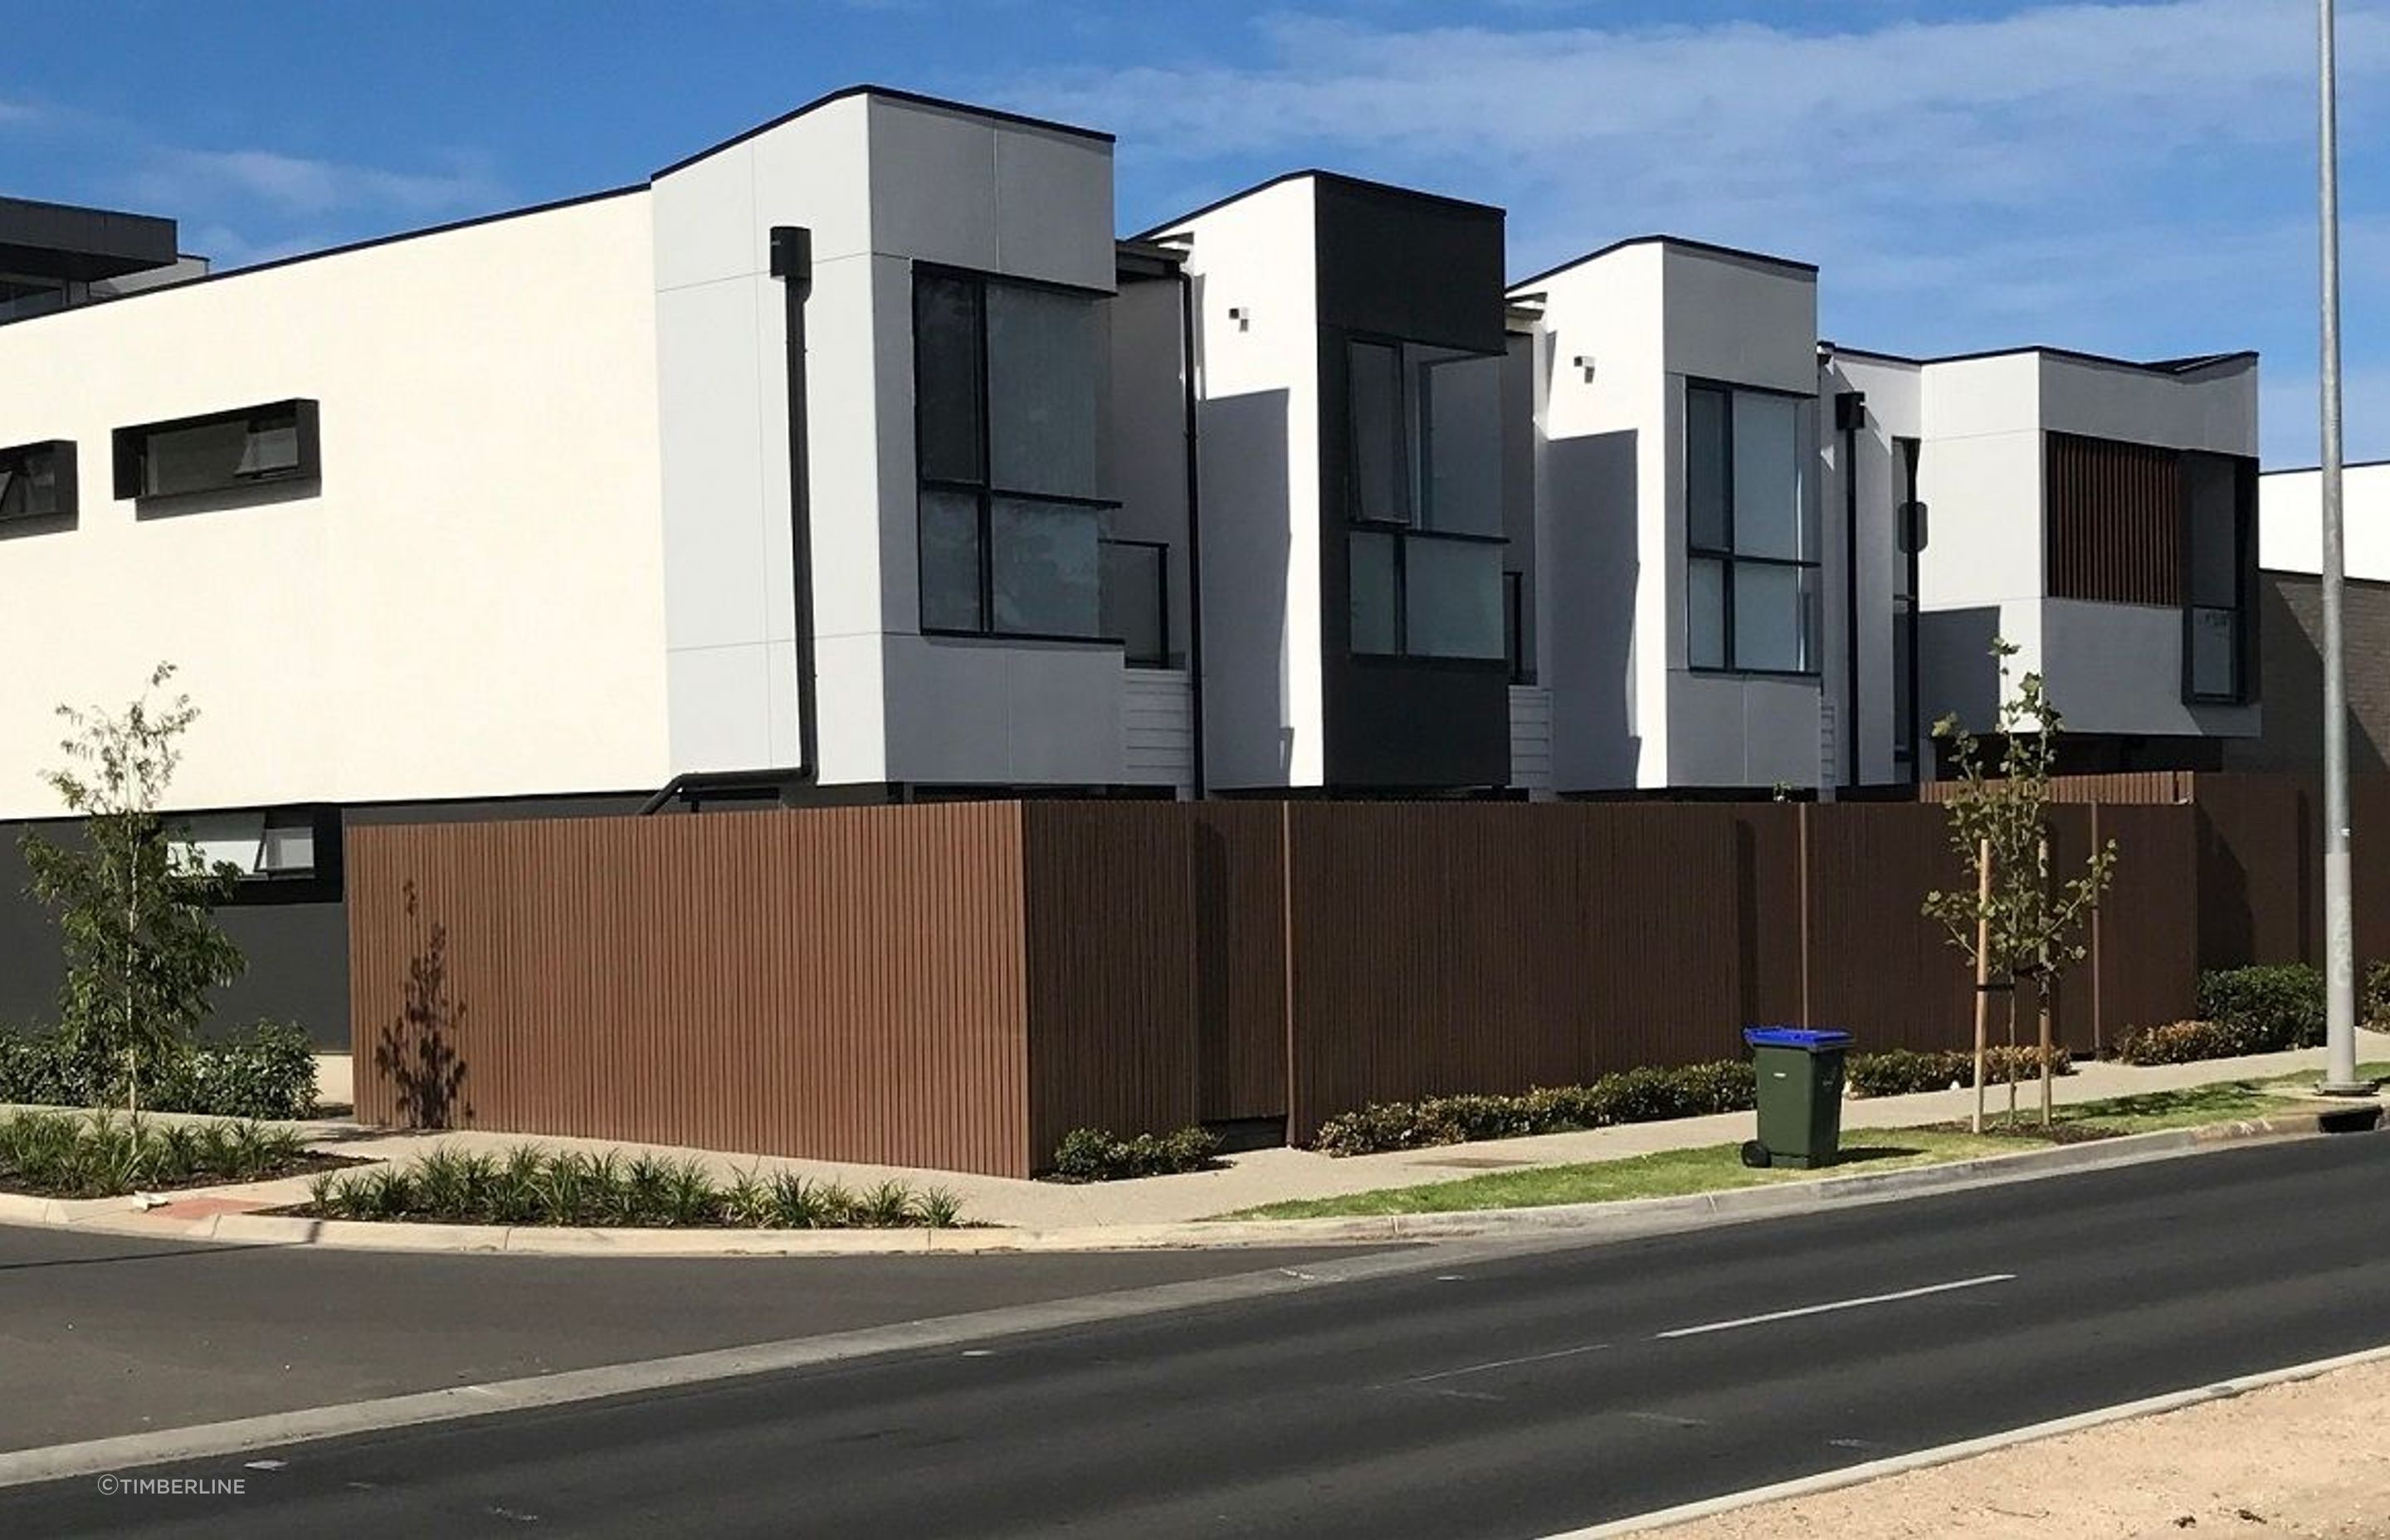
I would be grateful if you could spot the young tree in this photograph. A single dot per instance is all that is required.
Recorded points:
(133, 897)
(2010, 921)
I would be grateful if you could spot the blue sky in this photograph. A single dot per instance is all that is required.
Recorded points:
(2125, 178)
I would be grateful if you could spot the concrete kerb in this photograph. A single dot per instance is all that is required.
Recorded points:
(1615, 1219)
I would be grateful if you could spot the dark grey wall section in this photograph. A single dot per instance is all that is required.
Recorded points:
(298, 951)
(1408, 265)
(1415, 268)
(2290, 661)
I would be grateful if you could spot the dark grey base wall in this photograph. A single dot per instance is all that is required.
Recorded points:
(298, 951)
(298, 960)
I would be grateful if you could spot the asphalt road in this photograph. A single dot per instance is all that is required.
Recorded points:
(1512, 1395)
(100, 1336)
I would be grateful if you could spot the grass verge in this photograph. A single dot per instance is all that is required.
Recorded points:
(1719, 1168)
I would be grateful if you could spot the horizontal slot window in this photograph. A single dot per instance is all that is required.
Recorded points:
(221, 452)
(37, 480)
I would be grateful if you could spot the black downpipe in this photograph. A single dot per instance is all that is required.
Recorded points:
(792, 264)
(1912, 540)
(1850, 413)
(1194, 531)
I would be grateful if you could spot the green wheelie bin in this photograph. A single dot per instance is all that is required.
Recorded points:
(1799, 1073)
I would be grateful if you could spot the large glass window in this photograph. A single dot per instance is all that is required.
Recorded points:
(1750, 570)
(1009, 390)
(1424, 473)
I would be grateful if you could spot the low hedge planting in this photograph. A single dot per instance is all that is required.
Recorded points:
(1903, 1072)
(1643, 1095)
(2177, 1043)
(267, 1071)
(109, 1154)
(529, 1185)
(1098, 1155)
(2242, 1010)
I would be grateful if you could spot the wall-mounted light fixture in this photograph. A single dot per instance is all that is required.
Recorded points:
(1583, 363)
(1244, 317)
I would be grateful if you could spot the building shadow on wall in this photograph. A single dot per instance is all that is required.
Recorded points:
(418, 1053)
(1594, 527)
(1249, 720)
(1957, 673)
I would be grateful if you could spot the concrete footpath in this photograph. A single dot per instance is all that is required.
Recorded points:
(1004, 1214)
(1279, 1176)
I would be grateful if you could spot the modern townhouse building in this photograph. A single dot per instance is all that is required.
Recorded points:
(791, 470)
(1350, 350)
(858, 460)
(2290, 560)
(2097, 514)
(1677, 525)
(1770, 561)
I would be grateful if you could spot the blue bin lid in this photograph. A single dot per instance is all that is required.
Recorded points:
(1794, 1037)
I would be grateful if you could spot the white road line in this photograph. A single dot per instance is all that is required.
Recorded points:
(1837, 1304)
(1505, 1363)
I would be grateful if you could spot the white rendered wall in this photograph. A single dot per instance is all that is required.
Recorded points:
(881, 184)
(1602, 486)
(471, 605)
(721, 366)
(1257, 378)
(2290, 522)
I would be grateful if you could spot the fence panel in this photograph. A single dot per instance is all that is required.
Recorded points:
(845, 983)
(1114, 964)
(1438, 948)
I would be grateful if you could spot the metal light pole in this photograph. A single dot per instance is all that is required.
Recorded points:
(2339, 926)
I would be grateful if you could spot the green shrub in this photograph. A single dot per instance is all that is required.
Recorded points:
(2373, 1005)
(1098, 1155)
(267, 1071)
(1641, 1095)
(2264, 1009)
(533, 1186)
(108, 1154)
(1904, 1072)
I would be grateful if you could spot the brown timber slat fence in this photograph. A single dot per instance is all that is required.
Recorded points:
(959, 985)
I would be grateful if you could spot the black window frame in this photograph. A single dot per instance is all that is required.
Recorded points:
(2244, 572)
(1518, 642)
(1129, 656)
(130, 446)
(1413, 495)
(1728, 559)
(982, 488)
(65, 489)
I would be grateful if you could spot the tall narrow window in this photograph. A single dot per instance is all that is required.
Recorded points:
(2215, 665)
(1750, 568)
(1008, 390)
(1424, 473)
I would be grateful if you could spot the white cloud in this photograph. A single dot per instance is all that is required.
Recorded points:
(2132, 177)
(294, 184)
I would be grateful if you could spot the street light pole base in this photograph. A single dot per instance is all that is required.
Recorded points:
(2345, 1089)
